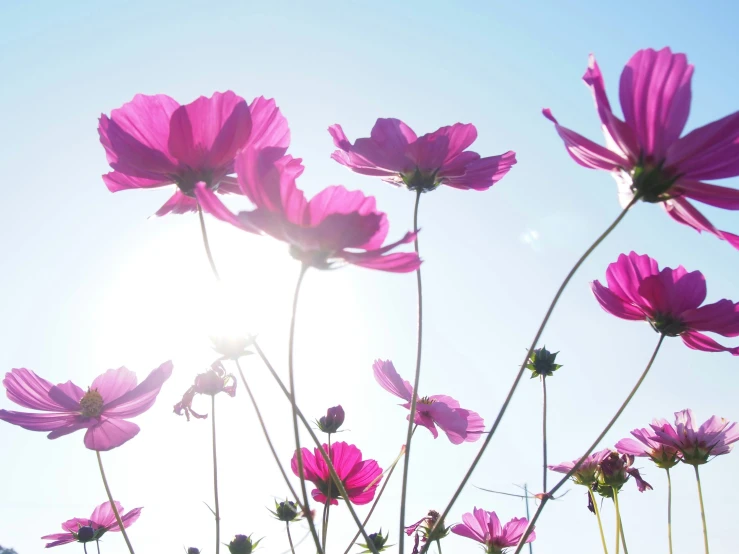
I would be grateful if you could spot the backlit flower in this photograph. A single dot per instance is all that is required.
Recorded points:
(670, 300)
(460, 425)
(428, 529)
(336, 225)
(112, 399)
(696, 446)
(615, 469)
(644, 151)
(648, 446)
(332, 421)
(91, 529)
(359, 477)
(395, 153)
(484, 527)
(213, 381)
(585, 474)
(153, 141)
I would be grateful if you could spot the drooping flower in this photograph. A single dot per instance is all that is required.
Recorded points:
(153, 141)
(614, 471)
(332, 421)
(541, 363)
(336, 225)
(644, 151)
(484, 527)
(91, 529)
(359, 477)
(713, 438)
(585, 474)
(428, 529)
(213, 381)
(242, 544)
(395, 153)
(648, 446)
(112, 399)
(460, 425)
(670, 300)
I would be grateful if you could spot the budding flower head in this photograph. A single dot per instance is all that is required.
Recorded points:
(333, 419)
(241, 544)
(378, 541)
(541, 363)
(614, 471)
(193, 550)
(286, 511)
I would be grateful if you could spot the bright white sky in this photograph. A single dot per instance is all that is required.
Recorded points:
(90, 283)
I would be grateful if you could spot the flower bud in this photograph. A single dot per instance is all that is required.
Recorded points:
(286, 511)
(378, 540)
(541, 363)
(193, 550)
(613, 470)
(241, 544)
(333, 419)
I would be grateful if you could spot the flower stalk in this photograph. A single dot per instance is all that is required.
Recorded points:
(112, 504)
(703, 510)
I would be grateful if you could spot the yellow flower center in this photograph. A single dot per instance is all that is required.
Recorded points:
(91, 404)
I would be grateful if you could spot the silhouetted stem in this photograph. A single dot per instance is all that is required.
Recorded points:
(618, 519)
(97, 544)
(215, 473)
(703, 510)
(206, 244)
(545, 499)
(416, 379)
(84, 547)
(669, 509)
(544, 430)
(289, 537)
(326, 506)
(522, 368)
(600, 522)
(112, 504)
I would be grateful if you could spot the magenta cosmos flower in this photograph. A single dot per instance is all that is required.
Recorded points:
(91, 529)
(696, 446)
(647, 445)
(460, 425)
(153, 141)
(359, 477)
(670, 300)
(336, 225)
(484, 527)
(645, 152)
(395, 153)
(211, 382)
(113, 398)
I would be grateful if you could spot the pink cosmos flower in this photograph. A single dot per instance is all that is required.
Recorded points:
(712, 438)
(103, 410)
(614, 471)
(394, 152)
(460, 425)
(359, 477)
(645, 152)
(100, 522)
(647, 445)
(484, 527)
(335, 225)
(585, 474)
(670, 300)
(153, 141)
(211, 382)
(427, 529)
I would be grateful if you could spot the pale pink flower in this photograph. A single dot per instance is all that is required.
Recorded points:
(648, 446)
(112, 399)
(153, 141)
(670, 300)
(585, 474)
(213, 381)
(645, 152)
(460, 425)
(395, 153)
(713, 438)
(91, 529)
(484, 527)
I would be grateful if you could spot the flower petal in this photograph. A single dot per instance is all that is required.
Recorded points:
(109, 434)
(27, 389)
(127, 519)
(615, 305)
(699, 341)
(708, 152)
(713, 195)
(483, 173)
(114, 383)
(38, 422)
(388, 378)
(103, 515)
(684, 212)
(721, 317)
(432, 151)
(178, 203)
(139, 399)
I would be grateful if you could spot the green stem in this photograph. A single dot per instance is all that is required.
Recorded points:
(215, 473)
(600, 522)
(327, 506)
(97, 544)
(206, 244)
(525, 361)
(438, 545)
(84, 547)
(416, 380)
(703, 510)
(561, 482)
(544, 429)
(289, 537)
(618, 519)
(112, 504)
(669, 509)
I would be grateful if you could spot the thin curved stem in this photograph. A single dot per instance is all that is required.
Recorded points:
(703, 510)
(293, 401)
(618, 519)
(416, 379)
(84, 547)
(544, 430)
(97, 544)
(206, 243)
(522, 368)
(329, 464)
(600, 521)
(217, 513)
(289, 537)
(545, 499)
(669, 509)
(112, 504)
(266, 435)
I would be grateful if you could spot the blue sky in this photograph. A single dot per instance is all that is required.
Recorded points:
(91, 282)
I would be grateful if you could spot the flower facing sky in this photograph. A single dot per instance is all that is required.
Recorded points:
(211, 382)
(91, 529)
(153, 141)
(112, 399)
(648, 446)
(460, 425)
(359, 477)
(336, 225)
(713, 438)
(484, 527)
(395, 153)
(645, 152)
(670, 300)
